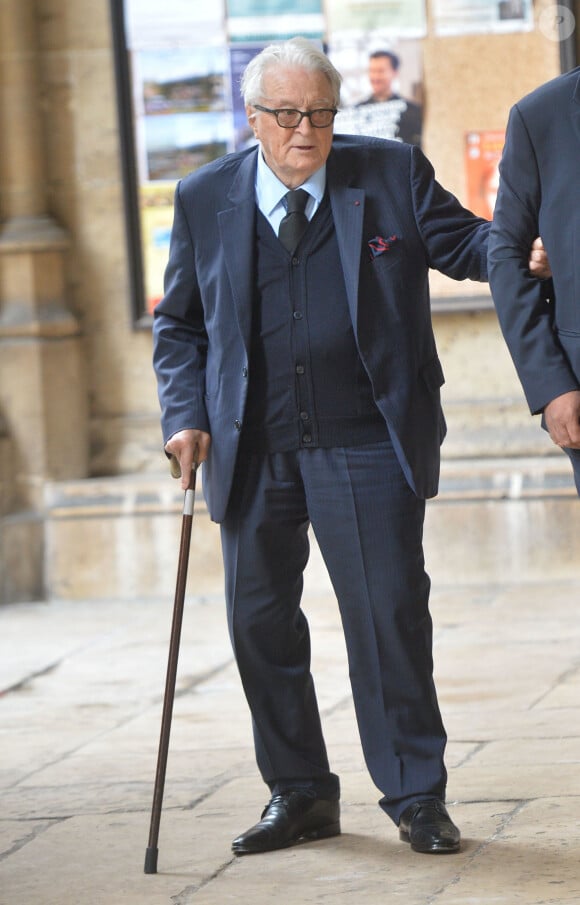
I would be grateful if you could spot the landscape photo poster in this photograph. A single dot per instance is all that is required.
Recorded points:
(183, 119)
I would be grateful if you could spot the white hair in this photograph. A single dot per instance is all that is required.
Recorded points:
(296, 52)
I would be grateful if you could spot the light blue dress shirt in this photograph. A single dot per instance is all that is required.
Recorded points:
(270, 192)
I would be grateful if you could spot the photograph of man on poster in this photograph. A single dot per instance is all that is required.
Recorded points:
(382, 91)
(405, 115)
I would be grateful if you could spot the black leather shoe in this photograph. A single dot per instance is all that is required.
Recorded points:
(429, 828)
(295, 816)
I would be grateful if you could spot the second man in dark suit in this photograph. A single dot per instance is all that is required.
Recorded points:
(540, 190)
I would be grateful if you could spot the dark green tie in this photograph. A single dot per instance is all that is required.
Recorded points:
(292, 226)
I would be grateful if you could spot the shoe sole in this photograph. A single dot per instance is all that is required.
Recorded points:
(321, 832)
(443, 849)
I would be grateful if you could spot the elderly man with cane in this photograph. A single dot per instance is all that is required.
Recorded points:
(296, 360)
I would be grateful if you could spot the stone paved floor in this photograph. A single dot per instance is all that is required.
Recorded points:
(81, 687)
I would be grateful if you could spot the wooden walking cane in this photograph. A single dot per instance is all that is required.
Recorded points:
(152, 850)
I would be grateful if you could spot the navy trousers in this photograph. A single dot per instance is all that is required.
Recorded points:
(369, 527)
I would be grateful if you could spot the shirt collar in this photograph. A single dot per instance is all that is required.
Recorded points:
(270, 191)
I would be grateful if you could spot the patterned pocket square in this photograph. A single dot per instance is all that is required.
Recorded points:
(379, 245)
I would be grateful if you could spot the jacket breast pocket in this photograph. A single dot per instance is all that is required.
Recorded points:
(387, 259)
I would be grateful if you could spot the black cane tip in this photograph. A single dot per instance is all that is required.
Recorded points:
(151, 860)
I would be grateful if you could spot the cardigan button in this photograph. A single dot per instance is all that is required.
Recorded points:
(238, 425)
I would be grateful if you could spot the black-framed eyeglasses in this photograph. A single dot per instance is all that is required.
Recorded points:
(290, 119)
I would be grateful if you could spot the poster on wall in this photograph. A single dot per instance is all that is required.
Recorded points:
(483, 152)
(400, 18)
(457, 17)
(172, 23)
(258, 21)
(184, 102)
(382, 90)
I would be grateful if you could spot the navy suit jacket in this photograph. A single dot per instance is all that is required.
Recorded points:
(377, 188)
(539, 194)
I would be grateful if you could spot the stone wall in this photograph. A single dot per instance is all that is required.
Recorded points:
(85, 195)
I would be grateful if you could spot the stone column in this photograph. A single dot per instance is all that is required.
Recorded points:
(43, 400)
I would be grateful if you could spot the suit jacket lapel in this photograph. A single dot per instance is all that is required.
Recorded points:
(348, 206)
(237, 227)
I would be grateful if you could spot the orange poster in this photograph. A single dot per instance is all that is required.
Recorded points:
(482, 156)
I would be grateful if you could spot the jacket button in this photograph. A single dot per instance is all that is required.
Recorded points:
(244, 372)
(238, 425)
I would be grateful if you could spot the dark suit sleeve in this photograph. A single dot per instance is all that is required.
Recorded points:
(179, 336)
(454, 238)
(524, 312)
(411, 124)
